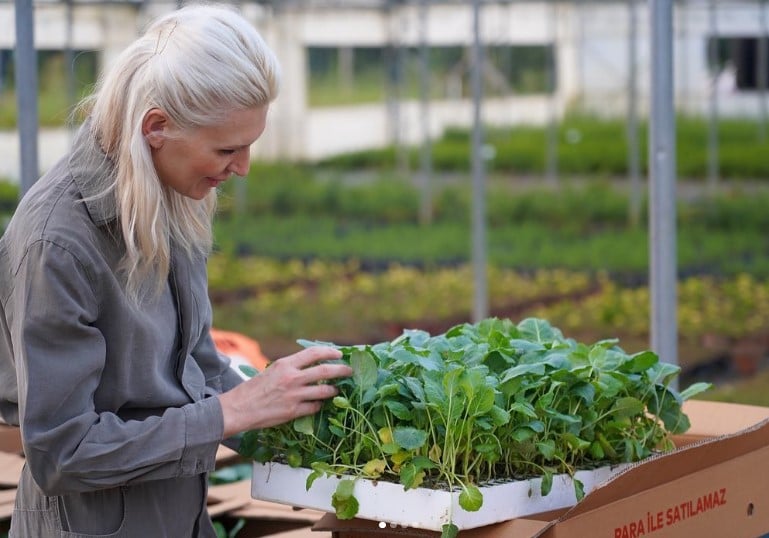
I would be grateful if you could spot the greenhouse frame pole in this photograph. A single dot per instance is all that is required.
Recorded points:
(69, 55)
(633, 150)
(426, 163)
(662, 185)
(480, 294)
(25, 64)
(713, 151)
(762, 58)
(551, 161)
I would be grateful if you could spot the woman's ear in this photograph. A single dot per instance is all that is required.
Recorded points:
(154, 125)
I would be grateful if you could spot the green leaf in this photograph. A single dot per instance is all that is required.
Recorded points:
(499, 416)
(415, 388)
(451, 383)
(546, 485)
(364, 369)
(236, 528)
(536, 425)
(695, 389)
(539, 330)
(344, 502)
(497, 362)
(471, 498)
(409, 438)
(231, 473)
(248, 370)
(311, 343)
(415, 337)
(640, 362)
(390, 448)
(304, 425)
(399, 410)
(605, 359)
(345, 488)
(449, 530)
(546, 448)
(563, 418)
(667, 406)
(410, 476)
(579, 489)
(523, 346)
(574, 442)
(556, 361)
(627, 407)
(524, 408)
(537, 369)
(606, 446)
(522, 434)
(585, 391)
(341, 402)
(482, 403)
(406, 355)
(312, 477)
(433, 389)
(608, 386)
(249, 443)
(294, 458)
(663, 373)
(369, 395)
(423, 462)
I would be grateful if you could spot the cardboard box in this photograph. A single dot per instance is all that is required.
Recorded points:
(10, 439)
(714, 484)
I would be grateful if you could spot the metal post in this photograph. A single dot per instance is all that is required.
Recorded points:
(394, 66)
(662, 166)
(762, 59)
(683, 36)
(551, 164)
(346, 68)
(481, 301)
(426, 163)
(26, 93)
(634, 160)
(69, 57)
(713, 171)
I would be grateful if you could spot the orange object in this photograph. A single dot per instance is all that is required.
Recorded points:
(239, 348)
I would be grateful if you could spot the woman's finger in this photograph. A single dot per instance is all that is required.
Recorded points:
(311, 355)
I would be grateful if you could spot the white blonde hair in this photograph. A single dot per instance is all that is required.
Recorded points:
(197, 64)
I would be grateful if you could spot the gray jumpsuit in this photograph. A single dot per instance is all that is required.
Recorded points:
(117, 407)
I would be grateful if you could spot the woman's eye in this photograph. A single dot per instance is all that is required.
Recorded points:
(226, 151)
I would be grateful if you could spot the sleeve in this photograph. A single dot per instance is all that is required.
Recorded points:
(69, 445)
(220, 375)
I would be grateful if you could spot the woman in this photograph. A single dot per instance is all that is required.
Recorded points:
(121, 396)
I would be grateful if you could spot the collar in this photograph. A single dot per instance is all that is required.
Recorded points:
(95, 175)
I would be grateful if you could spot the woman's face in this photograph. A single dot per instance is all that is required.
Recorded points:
(194, 161)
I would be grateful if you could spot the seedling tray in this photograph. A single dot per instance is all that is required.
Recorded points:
(423, 508)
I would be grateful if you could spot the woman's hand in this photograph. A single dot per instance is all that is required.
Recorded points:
(287, 389)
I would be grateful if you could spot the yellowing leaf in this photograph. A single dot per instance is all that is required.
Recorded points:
(400, 456)
(385, 435)
(374, 468)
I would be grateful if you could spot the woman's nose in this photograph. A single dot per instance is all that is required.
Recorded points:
(241, 162)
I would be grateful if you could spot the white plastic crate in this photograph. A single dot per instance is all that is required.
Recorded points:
(422, 508)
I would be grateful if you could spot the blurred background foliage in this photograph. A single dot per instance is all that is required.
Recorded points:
(335, 250)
